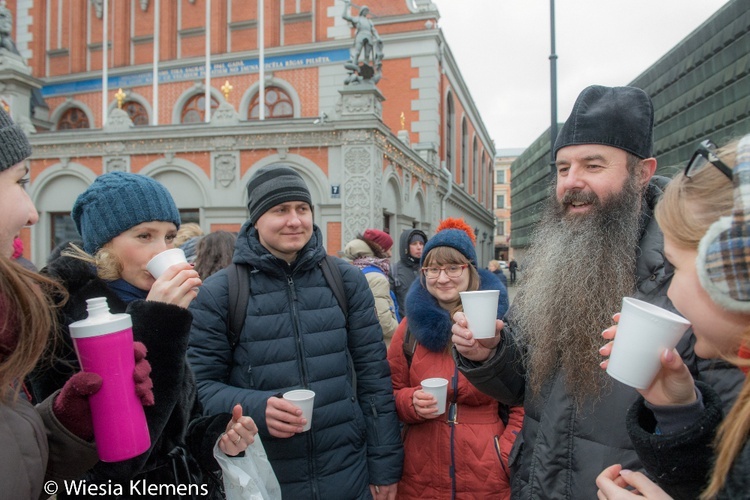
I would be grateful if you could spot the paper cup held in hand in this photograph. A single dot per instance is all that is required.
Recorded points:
(438, 387)
(161, 262)
(480, 308)
(643, 333)
(304, 400)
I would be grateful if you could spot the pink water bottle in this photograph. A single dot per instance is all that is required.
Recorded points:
(104, 343)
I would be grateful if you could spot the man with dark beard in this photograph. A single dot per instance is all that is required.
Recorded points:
(596, 243)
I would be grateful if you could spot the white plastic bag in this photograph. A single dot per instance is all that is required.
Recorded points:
(250, 477)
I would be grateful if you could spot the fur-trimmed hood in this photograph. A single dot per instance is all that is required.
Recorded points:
(431, 324)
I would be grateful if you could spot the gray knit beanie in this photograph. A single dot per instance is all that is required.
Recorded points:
(272, 185)
(117, 201)
(14, 146)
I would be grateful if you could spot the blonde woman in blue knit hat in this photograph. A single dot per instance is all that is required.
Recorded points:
(462, 453)
(676, 427)
(124, 220)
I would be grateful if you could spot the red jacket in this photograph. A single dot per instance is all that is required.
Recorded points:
(480, 470)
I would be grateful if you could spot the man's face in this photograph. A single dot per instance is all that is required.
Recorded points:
(588, 175)
(415, 249)
(284, 229)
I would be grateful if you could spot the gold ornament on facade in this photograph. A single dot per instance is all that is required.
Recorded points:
(120, 96)
(226, 89)
(403, 121)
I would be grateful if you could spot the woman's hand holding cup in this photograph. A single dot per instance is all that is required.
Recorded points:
(673, 384)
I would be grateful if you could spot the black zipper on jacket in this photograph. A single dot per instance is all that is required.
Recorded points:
(297, 336)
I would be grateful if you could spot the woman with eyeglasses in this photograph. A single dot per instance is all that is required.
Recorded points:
(676, 427)
(474, 435)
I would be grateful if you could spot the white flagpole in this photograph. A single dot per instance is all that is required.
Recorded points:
(155, 77)
(208, 61)
(261, 61)
(105, 52)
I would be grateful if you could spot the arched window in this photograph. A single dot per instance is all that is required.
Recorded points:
(194, 110)
(278, 104)
(464, 150)
(449, 124)
(136, 112)
(474, 169)
(73, 118)
(482, 183)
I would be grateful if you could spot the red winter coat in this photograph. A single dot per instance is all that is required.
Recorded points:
(482, 442)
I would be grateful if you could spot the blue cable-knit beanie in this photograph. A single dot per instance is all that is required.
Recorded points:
(454, 233)
(117, 201)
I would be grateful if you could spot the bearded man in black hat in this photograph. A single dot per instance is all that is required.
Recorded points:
(597, 242)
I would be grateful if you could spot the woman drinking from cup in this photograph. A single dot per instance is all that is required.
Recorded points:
(470, 437)
(125, 220)
(676, 427)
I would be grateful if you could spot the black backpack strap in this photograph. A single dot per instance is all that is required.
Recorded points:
(409, 346)
(238, 280)
(332, 275)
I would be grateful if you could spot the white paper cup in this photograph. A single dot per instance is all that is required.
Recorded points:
(438, 387)
(161, 262)
(304, 400)
(643, 333)
(480, 309)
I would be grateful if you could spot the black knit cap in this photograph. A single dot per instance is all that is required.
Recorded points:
(14, 146)
(621, 117)
(272, 185)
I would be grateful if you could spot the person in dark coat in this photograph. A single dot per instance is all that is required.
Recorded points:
(597, 242)
(124, 220)
(512, 269)
(296, 336)
(494, 267)
(406, 270)
(675, 424)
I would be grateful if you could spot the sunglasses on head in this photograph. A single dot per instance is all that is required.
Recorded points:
(706, 155)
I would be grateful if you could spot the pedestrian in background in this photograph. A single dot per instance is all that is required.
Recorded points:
(494, 267)
(214, 252)
(406, 270)
(371, 252)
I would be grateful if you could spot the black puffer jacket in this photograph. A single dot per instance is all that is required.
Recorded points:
(295, 336)
(406, 270)
(560, 451)
(175, 419)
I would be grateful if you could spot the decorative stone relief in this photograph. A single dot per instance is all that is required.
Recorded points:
(223, 143)
(117, 164)
(282, 152)
(225, 114)
(407, 185)
(144, 5)
(114, 148)
(225, 168)
(118, 121)
(362, 203)
(98, 8)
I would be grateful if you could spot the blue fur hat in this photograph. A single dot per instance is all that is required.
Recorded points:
(454, 233)
(117, 201)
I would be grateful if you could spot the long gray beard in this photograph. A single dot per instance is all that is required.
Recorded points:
(578, 270)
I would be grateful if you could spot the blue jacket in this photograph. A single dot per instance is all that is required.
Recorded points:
(295, 336)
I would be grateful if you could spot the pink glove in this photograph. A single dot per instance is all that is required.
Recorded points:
(71, 406)
(144, 386)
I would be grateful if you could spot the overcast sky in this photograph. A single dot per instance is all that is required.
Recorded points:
(502, 48)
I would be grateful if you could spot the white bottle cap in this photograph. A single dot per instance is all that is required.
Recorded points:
(100, 321)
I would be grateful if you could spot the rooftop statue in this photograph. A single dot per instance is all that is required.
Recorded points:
(367, 44)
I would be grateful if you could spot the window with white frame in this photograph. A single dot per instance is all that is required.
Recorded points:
(500, 201)
(500, 176)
